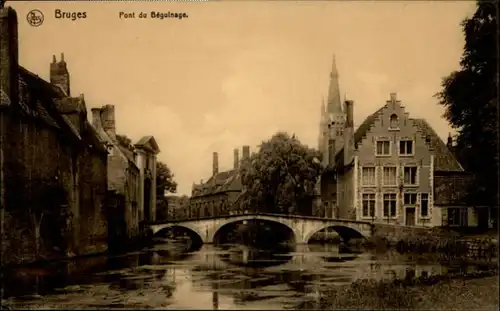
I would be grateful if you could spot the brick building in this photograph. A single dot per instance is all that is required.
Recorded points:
(131, 174)
(392, 169)
(53, 165)
(220, 194)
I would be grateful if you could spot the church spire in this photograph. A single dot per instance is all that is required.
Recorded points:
(323, 109)
(322, 124)
(334, 104)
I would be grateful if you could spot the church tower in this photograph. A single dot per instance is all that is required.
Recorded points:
(332, 120)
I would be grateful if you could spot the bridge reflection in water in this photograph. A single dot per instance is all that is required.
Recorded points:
(226, 277)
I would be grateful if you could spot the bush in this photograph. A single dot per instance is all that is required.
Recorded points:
(439, 241)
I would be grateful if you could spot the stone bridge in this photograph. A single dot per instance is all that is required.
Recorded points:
(303, 227)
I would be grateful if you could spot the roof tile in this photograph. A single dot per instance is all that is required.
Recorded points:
(222, 182)
(444, 159)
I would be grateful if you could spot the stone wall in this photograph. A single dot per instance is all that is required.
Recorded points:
(117, 169)
(26, 184)
(394, 233)
(53, 193)
(131, 201)
(93, 217)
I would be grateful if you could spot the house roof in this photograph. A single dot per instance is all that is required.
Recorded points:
(90, 135)
(127, 153)
(148, 142)
(46, 103)
(222, 182)
(444, 159)
(36, 98)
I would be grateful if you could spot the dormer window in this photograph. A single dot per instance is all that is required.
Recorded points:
(394, 122)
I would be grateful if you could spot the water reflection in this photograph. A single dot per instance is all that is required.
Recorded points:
(226, 277)
(241, 255)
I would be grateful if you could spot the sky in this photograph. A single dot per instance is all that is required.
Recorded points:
(234, 73)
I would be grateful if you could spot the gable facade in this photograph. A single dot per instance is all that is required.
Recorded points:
(397, 162)
(394, 170)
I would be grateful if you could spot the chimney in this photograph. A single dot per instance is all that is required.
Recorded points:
(246, 152)
(349, 132)
(349, 109)
(59, 74)
(236, 159)
(9, 54)
(108, 119)
(215, 164)
(96, 118)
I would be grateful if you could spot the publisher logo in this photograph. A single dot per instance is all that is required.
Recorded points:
(35, 18)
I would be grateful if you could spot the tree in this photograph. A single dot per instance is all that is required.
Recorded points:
(470, 98)
(281, 177)
(164, 179)
(124, 141)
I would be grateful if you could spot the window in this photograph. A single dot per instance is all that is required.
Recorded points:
(368, 176)
(410, 175)
(383, 147)
(390, 205)
(424, 205)
(389, 177)
(369, 205)
(410, 198)
(457, 216)
(406, 147)
(393, 124)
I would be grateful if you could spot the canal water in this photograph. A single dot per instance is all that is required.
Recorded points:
(230, 277)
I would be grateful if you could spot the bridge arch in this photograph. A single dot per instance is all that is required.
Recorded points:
(346, 232)
(218, 230)
(192, 231)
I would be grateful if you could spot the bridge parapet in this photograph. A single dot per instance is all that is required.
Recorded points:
(291, 216)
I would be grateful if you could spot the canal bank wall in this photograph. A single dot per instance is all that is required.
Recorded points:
(99, 248)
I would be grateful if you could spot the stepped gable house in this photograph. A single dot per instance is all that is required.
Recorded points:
(131, 175)
(220, 195)
(392, 169)
(53, 166)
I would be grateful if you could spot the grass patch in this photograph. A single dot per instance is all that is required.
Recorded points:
(413, 293)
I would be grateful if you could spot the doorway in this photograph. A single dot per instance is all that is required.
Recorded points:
(410, 216)
(482, 217)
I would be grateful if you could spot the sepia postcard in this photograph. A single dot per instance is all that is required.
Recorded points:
(253, 154)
